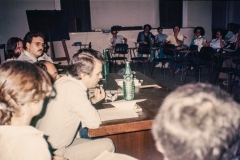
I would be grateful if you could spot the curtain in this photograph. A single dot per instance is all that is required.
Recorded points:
(170, 13)
(78, 14)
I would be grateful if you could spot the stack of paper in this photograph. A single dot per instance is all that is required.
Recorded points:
(122, 109)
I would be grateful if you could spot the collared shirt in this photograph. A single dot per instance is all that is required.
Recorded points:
(215, 43)
(119, 39)
(198, 41)
(26, 56)
(172, 39)
(65, 112)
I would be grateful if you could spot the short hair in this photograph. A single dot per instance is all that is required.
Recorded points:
(176, 25)
(20, 83)
(201, 30)
(147, 25)
(12, 45)
(196, 122)
(159, 28)
(84, 61)
(28, 37)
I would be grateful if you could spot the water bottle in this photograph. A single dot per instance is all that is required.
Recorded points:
(128, 83)
(105, 67)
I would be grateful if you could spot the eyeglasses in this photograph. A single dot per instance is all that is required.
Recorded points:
(38, 44)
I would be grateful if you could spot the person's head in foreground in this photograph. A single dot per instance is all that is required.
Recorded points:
(23, 87)
(86, 65)
(196, 122)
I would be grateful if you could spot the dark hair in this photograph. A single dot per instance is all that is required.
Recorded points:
(28, 37)
(176, 25)
(20, 83)
(159, 28)
(83, 62)
(201, 30)
(147, 25)
(11, 46)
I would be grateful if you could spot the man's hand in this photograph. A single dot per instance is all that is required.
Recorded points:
(99, 94)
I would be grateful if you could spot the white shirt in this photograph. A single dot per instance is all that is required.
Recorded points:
(65, 112)
(22, 143)
(26, 56)
(172, 39)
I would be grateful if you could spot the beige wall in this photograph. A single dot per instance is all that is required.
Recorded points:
(106, 13)
(199, 13)
(101, 40)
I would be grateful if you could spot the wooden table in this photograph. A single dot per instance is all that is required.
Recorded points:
(133, 136)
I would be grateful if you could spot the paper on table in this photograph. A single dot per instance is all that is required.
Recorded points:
(116, 113)
(123, 104)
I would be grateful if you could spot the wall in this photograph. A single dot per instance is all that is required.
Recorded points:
(101, 40)
(106, 13)
(14, 20)
(199, 13)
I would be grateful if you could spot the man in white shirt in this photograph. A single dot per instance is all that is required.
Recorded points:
(33, 48)
(176, 37)
(71, 106)
(117, 38)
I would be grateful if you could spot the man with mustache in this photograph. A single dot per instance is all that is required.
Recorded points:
(33, 48)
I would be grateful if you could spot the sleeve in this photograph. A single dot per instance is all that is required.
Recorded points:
(168, 38)
(139, 37)
(80, 104)
(33, 147)
(111, 40)
(180, 37)
(152, 36)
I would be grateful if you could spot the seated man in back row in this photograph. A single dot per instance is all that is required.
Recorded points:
(34, 46)
(198, 122)
(72, 106)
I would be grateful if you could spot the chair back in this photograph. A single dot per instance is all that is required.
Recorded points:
(206, 53)
(2, 46)
(143, 49)
(193, 48)
(121, 48)
(168, 49)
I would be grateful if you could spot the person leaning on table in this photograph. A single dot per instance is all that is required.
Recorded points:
(198, 122)
(71, 106)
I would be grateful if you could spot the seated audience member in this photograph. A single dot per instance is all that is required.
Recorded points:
(229, 32)
(14, 48)
(216, 43)
(117, 38)
(237, 45)
(34, 46)
(23, 90)
(72, 106)
(198, 39)
(146, 39)
(159, 40)
(49, 68)
(176, 38)
(197, 122)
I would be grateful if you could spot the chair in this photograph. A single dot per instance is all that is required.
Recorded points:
(163, 60)
(141, 56)
(2, 46)
(59, 66)
(204, 59)
(232, 71)
(119, 54)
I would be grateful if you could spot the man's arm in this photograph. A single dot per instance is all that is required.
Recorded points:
(125, 40)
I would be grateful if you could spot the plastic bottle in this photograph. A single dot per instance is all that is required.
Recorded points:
(105, 67)
(128, 83)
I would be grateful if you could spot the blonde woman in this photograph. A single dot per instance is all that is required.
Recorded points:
(23, 88)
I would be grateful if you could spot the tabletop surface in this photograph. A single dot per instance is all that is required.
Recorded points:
(154, 96)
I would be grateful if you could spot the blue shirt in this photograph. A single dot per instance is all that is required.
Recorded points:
(160, 38)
